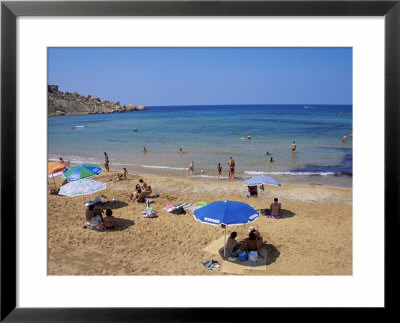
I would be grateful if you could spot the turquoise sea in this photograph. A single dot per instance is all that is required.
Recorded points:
(211, 134)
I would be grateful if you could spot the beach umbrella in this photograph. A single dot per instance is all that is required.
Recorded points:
(81, 171)
(81, 187)
(261, 180)
(55, 169)
(227, 213)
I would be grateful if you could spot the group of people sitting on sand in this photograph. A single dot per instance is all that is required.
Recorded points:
(139, 189)
(95, 219)
(253, 242)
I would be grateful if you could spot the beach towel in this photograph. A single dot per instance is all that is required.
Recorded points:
(184, 205)
(274, 216)
(170, 208)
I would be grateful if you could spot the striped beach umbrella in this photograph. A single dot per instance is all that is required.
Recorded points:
(261, 180)
(81, 187)
(81, 171)
(227, 213)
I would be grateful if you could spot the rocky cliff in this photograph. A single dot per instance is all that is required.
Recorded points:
(66, 103)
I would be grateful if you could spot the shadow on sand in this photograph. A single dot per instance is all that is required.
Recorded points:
(121, 224)
(113, 206)
(268, 251)
(286, 214)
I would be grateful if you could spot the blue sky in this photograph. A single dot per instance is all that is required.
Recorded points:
(201, 76)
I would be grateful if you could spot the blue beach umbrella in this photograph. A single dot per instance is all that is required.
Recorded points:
(81, 171)
(261, 180)
(227, 213)
(81, 187)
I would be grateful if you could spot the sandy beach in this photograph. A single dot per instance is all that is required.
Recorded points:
(313, 237)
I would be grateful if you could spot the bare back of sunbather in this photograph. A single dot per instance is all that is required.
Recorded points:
(275, 208)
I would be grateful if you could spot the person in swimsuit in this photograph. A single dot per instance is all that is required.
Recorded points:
(91, 213)
(191, 167)
(181, 151)
(109, 219)
(106, 161)
(293, 146)
(219, 171)
(144, 149)
(251, 243)
(275, 209)
(249, 136)
(125, 172)
(231, 167)
(344, 138)
(271, 160)
(231, 245)
(136, 194)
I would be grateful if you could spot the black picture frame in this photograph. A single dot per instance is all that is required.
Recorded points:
(10, 10)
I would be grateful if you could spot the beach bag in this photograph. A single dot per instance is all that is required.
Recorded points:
(179, 210)
(97, 200)
(243, 256)
(253, 256)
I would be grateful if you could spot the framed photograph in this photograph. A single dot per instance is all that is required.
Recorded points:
(130, 106)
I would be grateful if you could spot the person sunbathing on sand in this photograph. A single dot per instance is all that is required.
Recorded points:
(135, 195)
(119, 177)
(143, 184)
(275, 208)
(91, 214)
(109, 219)
(253, 244)
(231, 244)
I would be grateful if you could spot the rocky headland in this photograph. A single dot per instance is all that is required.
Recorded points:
(67, 103)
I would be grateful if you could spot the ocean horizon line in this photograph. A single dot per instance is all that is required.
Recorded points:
(251, 104)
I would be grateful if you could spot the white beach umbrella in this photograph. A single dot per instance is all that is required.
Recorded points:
(261, 180)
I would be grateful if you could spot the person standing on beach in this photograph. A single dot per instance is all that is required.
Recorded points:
(191, 167)
(219, 171)
(106, 161)
(231, 167)
(125, 172)
(293, 146)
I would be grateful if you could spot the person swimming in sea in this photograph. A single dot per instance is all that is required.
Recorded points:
(271, 160)
(180, 151)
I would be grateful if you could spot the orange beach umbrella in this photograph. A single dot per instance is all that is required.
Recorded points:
(55, 167)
